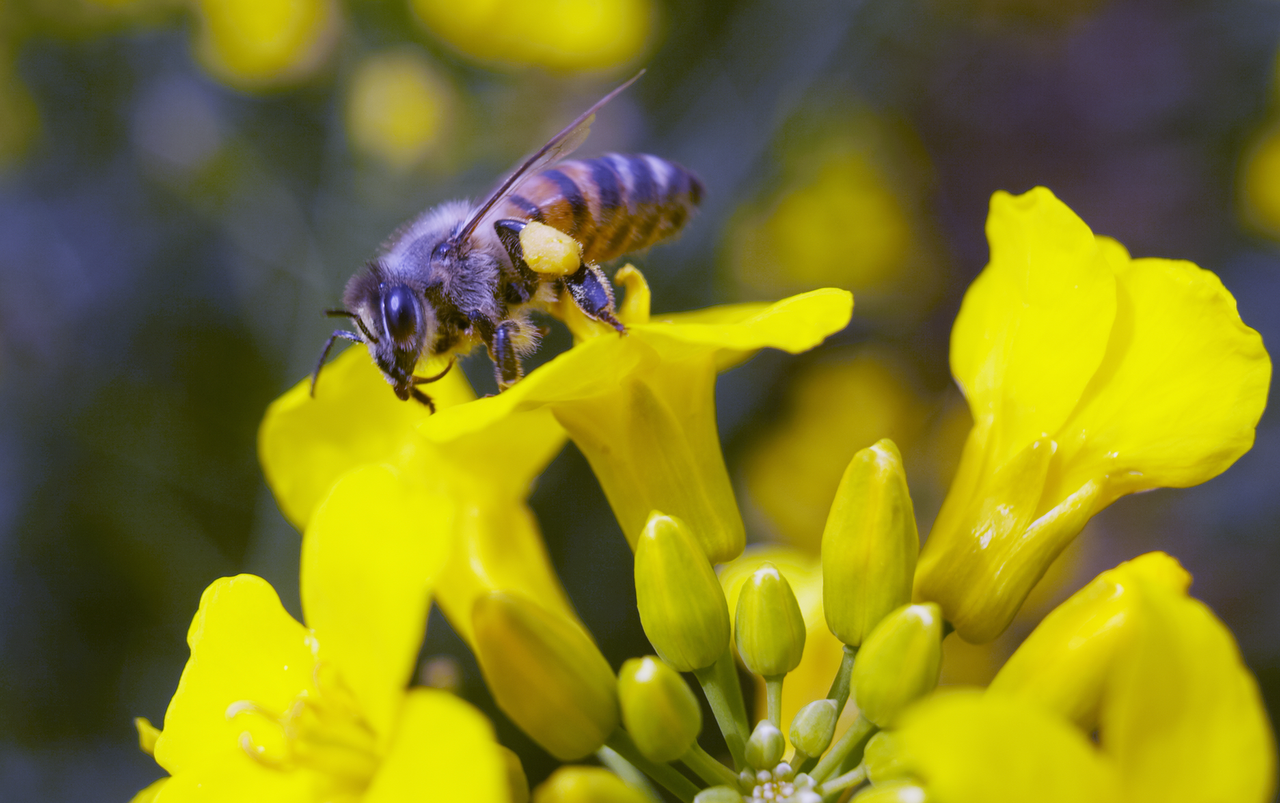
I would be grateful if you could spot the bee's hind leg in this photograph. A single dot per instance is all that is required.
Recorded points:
(589, 289)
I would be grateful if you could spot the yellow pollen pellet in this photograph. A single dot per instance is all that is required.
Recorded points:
(550, 251)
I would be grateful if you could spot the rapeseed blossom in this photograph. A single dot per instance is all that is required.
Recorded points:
(1089, 375)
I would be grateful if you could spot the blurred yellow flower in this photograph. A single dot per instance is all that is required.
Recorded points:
(262, 43)
(562, 35)
(641, 406)
(843, 215)
(1260, 182)
(307, 445)
(269, 709)
(19, 118)
(1130, 659)
(1089, 375)
(398, 109)
(844, 402)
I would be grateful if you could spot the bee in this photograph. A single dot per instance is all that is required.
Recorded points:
(455, 277)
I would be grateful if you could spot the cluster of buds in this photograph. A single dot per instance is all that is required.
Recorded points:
(549, 676)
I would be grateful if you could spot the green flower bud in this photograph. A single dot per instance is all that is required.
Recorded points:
(586, 785)
(766, 746)
(769, 626)
(881, 758)
(814, 726)
(682, 607)
(870, 544)
(899, 662)
(658, 709)
(546, 674)
(719, 794)
(895, 792)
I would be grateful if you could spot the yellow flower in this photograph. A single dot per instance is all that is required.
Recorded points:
(307, 445)
(641, 406)
(1132, 658)
(397, 108)
(1089, 375)
(1260, 182)
(255, 43)
(562, 35)
(269, 709)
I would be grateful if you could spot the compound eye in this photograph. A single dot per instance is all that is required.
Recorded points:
(401, 312)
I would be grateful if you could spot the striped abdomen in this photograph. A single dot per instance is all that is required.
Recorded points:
(612, 205)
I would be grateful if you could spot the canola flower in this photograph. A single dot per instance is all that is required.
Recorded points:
(1129, 690)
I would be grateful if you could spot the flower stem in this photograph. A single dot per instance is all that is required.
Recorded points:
(840, 783)
(724, 693)
(853, 739)
(627, 771)
(665, 774)
(773, 692)
(707, 768)
(840, 685)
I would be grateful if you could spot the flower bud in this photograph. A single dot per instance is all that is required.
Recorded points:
(766, 746)
(870, 544)
(895, 792)
(769, 626)
(814, 727)
(719, 794)
(899, 662)
(549, 251)
(658, 709)
(881, 758)
(546, 674)
(682, 607)
(586, 785)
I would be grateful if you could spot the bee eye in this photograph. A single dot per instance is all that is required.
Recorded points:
(401, 313)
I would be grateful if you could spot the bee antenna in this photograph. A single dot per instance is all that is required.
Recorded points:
(369, 337)
(324, 355)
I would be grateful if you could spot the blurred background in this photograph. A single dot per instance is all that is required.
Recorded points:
(186, 184)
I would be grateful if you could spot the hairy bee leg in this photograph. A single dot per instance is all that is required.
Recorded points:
(423, 398)
(589, 289)
(506, 361)
(324, 355)
(508, 230)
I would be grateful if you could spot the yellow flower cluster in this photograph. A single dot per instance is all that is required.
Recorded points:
(1089, 375)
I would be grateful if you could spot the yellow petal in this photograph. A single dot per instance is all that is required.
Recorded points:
(1182, 387)
(306, 444)
(147, 735)
(148, 795)
(1183, 718)
(967, 747)
(369, 558)
(498, 547)
(244, 647)
(1034, 326)
(235, 781)
(443, 749)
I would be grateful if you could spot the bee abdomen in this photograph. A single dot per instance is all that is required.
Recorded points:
(612, 205)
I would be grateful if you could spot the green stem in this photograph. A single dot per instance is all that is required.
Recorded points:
(707, 768)
(665, 774)
(724, 693)
(840, 685)
(627, 772)
(773, 691)
(853, 739)
(842, 782)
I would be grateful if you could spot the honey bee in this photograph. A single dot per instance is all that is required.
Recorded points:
(456, 277)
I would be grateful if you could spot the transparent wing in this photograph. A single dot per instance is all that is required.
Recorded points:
(558, 147)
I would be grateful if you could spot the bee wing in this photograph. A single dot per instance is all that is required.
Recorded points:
(558, 147)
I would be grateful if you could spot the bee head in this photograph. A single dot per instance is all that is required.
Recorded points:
(396, 323)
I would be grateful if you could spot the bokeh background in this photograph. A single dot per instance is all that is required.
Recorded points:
(186, 184)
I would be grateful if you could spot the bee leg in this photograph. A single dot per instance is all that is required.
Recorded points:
(589, 289)
(506, 360)
(324, 355)
(423, 398)
(509, 233)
